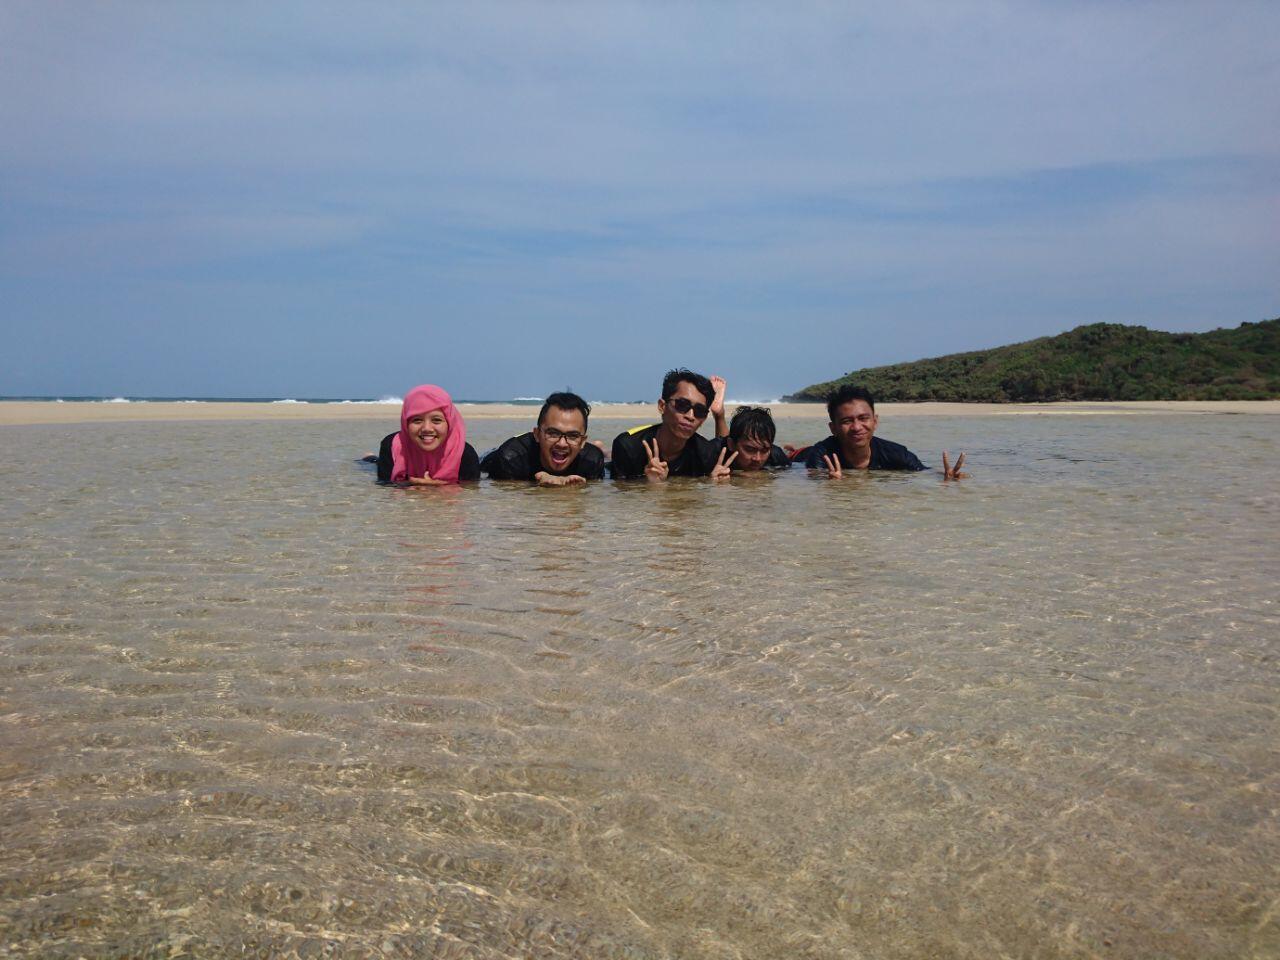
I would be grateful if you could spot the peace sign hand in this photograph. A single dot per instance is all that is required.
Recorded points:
(950, 472)
(721, 470)
(656, 468)
(833, 465)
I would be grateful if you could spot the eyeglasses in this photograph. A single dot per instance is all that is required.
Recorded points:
(555, 436)
(681, 405)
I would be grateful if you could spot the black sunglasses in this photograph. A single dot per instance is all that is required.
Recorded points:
(681, 405)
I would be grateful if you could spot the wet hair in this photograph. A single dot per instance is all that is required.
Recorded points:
(753, 423)
(838, 398)
(564, 400)
(671, 382)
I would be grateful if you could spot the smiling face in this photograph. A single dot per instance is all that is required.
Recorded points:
(854, 424)
(428, 430)
(560, 437)
(680, 411)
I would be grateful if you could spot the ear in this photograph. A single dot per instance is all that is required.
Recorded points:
(831, 425)
(662, 406)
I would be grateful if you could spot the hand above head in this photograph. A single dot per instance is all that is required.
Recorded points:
(950, 472)
(656, 468)
(551, 480)
(721, 470)
(717, 402)
(832, 461)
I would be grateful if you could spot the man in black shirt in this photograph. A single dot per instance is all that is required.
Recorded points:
(556, 453)
(853, 444)
(673, 447)
(749, 445)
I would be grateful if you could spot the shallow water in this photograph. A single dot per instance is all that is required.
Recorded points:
(253, 704)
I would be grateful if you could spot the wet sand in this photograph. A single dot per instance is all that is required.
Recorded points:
(19, 412)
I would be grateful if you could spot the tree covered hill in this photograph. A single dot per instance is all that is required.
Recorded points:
(1102, 361)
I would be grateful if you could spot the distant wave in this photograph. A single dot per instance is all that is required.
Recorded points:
(288, 401)
(385, 400)
(116, 400)
(526, 399)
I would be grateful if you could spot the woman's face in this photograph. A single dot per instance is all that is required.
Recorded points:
(428, 430)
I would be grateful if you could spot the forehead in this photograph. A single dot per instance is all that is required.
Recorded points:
(687, 390)
(564, 420)
(428, 414)
(853, 408)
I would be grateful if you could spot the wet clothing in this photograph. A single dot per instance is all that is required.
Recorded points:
(468, 469)
(778, 459)
(519, 459)
(885, 455)
(629, 456)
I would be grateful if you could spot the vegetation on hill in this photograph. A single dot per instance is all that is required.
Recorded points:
(1102, 361)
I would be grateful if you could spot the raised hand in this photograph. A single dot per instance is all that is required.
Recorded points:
(721, 470)
(656, 468)
(950, 472)
(833, 465)
(717, 402)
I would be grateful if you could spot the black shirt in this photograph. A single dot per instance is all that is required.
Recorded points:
(629, 456)
(519, 459)
(468, 469)
(885, 455)
(778, 459)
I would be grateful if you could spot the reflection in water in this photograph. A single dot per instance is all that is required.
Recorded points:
(1034, 714)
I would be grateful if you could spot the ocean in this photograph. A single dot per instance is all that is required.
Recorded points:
(252, 703)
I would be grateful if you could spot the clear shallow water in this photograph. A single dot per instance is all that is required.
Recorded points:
(251, 702)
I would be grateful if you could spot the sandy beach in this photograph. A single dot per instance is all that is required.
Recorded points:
(20, 412)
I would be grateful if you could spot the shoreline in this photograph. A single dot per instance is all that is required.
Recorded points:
(41, 413)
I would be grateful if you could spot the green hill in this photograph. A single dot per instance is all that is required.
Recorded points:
(1102, 361)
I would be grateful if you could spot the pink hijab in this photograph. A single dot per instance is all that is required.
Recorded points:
(410, 460)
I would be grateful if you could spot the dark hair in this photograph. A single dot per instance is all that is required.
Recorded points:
(753, 422)
(672, 381)
(564, 400)
(838, 398)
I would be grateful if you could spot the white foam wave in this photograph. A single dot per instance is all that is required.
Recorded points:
(288, 401)
(116, 400)
(385, 400)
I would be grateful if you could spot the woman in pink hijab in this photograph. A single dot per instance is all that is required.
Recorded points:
(431, 448)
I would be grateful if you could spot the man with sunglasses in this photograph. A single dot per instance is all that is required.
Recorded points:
(673, 448)
(555, 453)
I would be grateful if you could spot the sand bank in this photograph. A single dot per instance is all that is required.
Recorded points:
(20, 412)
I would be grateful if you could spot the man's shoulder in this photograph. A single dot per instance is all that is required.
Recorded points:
(511, 460)
(636, 434)
(814, 454)
(521, 444)
(893, 456)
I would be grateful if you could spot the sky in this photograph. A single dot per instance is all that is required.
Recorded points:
(310, 199)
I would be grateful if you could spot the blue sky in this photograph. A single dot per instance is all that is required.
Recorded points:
(313, 199)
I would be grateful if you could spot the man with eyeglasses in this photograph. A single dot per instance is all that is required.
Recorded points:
(853, 444)
(555, 453)
(749, 446)
(673, 448)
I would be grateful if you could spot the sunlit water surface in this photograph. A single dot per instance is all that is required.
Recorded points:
(253, 704)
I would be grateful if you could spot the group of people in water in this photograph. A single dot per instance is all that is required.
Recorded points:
(431, 448)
